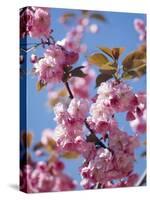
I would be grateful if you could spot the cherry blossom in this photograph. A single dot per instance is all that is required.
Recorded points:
(70, 120)
(44, 177)
(140, 27)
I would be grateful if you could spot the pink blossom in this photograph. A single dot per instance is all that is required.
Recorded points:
(35, 22)
(44, 177)
(48, 70)
(26, 19)
(140, 27)
(33, 58)
(106, 165)
(139, 111)
(112, 97)
(50, 67)
(70, 121)
(40, 23)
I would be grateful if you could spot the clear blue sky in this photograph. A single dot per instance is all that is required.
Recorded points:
(118, 31)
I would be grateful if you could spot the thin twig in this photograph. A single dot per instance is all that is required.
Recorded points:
(69, 90)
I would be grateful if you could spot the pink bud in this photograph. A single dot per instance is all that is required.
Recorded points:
(34, 58)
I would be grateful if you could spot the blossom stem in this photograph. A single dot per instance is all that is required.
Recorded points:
(69, 90)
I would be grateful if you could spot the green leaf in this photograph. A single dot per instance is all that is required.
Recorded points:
(40, 86)
(134, 60)
(98, 59)
(109, 67)
(107, 51)
(134, 65)
(77, 72)
(114, 53)
(98, 16)
(135, 72)
(102, 78)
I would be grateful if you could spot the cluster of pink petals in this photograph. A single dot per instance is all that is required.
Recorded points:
(35, 22)
(137, 115)
(140, 27)
(81, 86)
(70, 121)
(105, 166)
(113, 96)
(45, 177)
(50, 68)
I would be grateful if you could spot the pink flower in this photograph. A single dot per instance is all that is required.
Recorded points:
(50, 67)
(104, 166)
(35, 22)
(70, 121)
(44, 177)
(40, 23)
(139, 123)
(26, 19)
(140, 27)
(48, 71)
(113, 97)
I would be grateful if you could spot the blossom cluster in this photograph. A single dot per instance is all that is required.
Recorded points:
(50, 68)
(114, 165)
(113, 97)
(70, 120)
(44, 177)
(35, 22)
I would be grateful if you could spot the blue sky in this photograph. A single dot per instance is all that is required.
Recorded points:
(118, 31)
